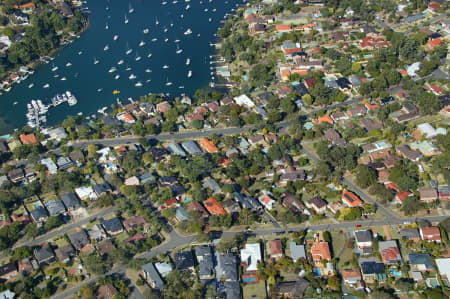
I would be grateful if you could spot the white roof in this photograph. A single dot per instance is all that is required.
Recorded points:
(429, 131)
(251, 254)
(85, 192)
(413, 68)
(51, 166)
(105, 155)
(244, 100)
(444, 267)
(57, 133)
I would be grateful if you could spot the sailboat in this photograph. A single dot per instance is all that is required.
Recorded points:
(168, 83)
(132, 77)
(117, 77)
(188, 61)
(126, 19)
(145, 31)
(142, 43)
(178, 51)
(128, 50)
(54, 68)
(115, 37)
(138, 84)
(149, 55)
(106, 48)
(130, 8)
(120, 62)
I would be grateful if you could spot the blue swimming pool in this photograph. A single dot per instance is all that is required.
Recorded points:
(317, 271)
(249, 279)
(395, 272)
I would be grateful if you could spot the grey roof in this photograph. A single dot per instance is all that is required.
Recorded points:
(205, 261)
(372, 268)
(112, 225)
(79, 239)
(410, 233)
(183, 260)
(297, 251)
(102, 188)
(355, 80)
(55, 207)
(43, 254)
(38, 214)
(210, 183)
(232, 289)
(421, 259)
(109, 120)
(176, 149)
(146, 177)
(191, 147)
(153, 274)
(181, 214)
(363, 236)
(3, 179)
(247, 202)
(228, 265)
(71, 201)
(295, 289)
(413, 18)
(63, 162)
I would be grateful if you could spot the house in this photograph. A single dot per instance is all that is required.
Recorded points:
(25, 266)
(191, 147)
(331, 135)
(431, 234)
(291, 175)
(212, 185)
(28, 139)
(338, 116)
(44, 255)
(71, 201)
(205, 261)
(39, 214)
(79, 239)
(102, 189)
(231, 206)
(244, 100)
(16, 175)
(132, 181)
(267, 201)
(356, 110)
(197, 207)
(106, 291)
(227, 267)
(151, 275)
(134, 222)
(292, 289)
(351, 276)
(250, 257)
(433, 43)
(64, 253)
(97, 233)
(363, 238)
(369, 124)
(163, 107)
(112, 226)
(318, 204)
(297, 251)
(420, 262)
(310, 82)
(373, 271)
(55, 207)
(389, 251)
(7, 294)
(180, 214)
(257, 139)
(85, 193)
(428, 195)
(276, 249)
(444, 268)
(214, 207)
(406, 152)
(8, 272)
(163, 268)
(410, 234)
(105, 247)
(350, 199)
(335, 206)
(176, 149)
(291, 202)
(208, 145)
(401, 196)
(52, 168)
(428, 131)
(184, 261)
(320, 251)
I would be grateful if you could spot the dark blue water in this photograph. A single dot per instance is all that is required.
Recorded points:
(85, 79)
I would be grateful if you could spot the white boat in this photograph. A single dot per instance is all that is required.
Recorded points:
(31, 85)
(187, 32)
(15, 103)
(46, 85)
(164, 3)
(56, 76)
(156, 22)
(178, 51)
(132, 77)
(188, 61)
(188, 6)
(130, 8)
(148, 70)
(54, 69)
(117, 76)
(138, 84)
(128, 69)
(182, 16)
(63, 79)
(154, 39)
(206, 9)
(96, 61)
(165, 29)
(189, 74)
(71, 99)
(81, 52)
(126, 19)
(149, 55)
(146, 81)
(145, 31)
(120, 62)
(166, 40)
(168, 83)
(165, 66)
(171, 24)
(115, 37)
(210, 20)
(100, 90)
(176, 41)
(142, 43)
(129, 51)
(112, 70)
(106, 48)
(138, 58)
(106, 27)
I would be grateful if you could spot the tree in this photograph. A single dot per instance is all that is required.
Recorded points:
(196, 124)
(356, 68)
(404, 285)
(411, 205)
(53, 222)
(31, 230)
(365, 176)
(92, 150)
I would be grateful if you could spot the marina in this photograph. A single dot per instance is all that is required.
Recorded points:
(98, 62)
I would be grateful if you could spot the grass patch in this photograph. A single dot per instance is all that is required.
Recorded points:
(255, 290)
(338, 242)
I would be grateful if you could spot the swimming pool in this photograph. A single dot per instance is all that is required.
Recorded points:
(317, 272)
(249, 279)
(395, 272)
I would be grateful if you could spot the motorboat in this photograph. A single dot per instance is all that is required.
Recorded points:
(166, 40)
(165, 66)
(126, 20)
(115, 37)
(176, 41)
(130, 8)
(117, 77)
(106, 48)
(145, 31)
(46, 85)
(129, 51)
(54, 69)
(149, 55)
(148, 70)
(132, 77)
(157, 22)
(138, 84)
(120, 62)
(188, 61)
(168, 83)
(31, 85)
(142, 43)
(189, 74)
(165, 30)
(112, 70)
(96, 61)
(154, 39)
(106, 27)
(187, 32)
(188, 6)
(63, 79)
(138, 58)
(178, 51)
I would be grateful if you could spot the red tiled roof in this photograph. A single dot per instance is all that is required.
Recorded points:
(431, 233)
(283, 27)
(351, 199)
(402, 195)
(28, 139)
(320, 251)
(208, 145)
(214, 207)
(275, 247)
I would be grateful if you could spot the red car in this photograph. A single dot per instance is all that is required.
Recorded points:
(359, 225)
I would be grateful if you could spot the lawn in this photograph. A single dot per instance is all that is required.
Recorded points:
(338, 242)
(255, 290)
